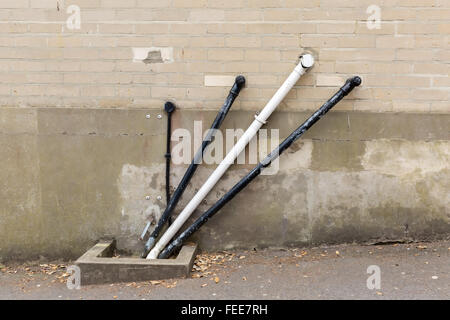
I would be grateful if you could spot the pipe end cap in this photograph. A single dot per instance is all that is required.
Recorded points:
(240, 80)
(356, 81)
(307, 60)
(169, 107)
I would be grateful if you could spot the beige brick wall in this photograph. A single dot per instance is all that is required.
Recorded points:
(404, 64)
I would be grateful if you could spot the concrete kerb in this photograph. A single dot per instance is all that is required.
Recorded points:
(99, 266)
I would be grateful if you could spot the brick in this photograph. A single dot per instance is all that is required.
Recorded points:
(416, 3)
(98, 91)
(265, 28)
(281, 15)
(218, 81)
(153, 28)
(262, 55)
(431, 68)
(168, 92)
(188, 28)
(29, 66)
(344, 27)
(225, 4)
(189, 4)
(30, 42)
(297, 28)
(45, 27)
(241, 67)
(414, 55)
(12, 4)
(392, 68)
(118, 3)
(206, 15)
(154, 3)
(64, 42)
(207, 42)
(205, 93)
(302, 3)
(442, 82)
(243, 42)
(390, 93)
(133, 91)
(356, 41)
(427, 14)
(264, 3)
(430, 41)
(43, 4)
(190, 54)
(5, 90)
(114, 53)
(81, 53)
(412, 81)
(169, 14)
(277, 67)
(69, 66)
(417, 28)
(395, 42)
(40, 77)
(443, 55)
(225, 54)
(318, 41)
(226, 28)
(431, 94)
(97, 66)
(116, 28)
(87, 3)
(281, 42)
(13, 78)
(14, 28)
(243, 15)
(377, 80)
(27, 90)
(329, 80)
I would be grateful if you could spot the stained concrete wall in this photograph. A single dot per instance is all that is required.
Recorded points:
(69, 177)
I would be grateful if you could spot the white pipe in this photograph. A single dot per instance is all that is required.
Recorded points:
(306, 62)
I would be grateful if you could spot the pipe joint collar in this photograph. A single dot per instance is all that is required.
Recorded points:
(257, 118)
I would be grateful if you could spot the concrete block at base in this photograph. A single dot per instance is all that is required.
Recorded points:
(98, 266)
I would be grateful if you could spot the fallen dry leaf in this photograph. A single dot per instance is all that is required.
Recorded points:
(216, 279)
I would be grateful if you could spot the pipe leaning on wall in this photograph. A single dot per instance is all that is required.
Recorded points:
(169, 107)
(233, 94)
(306, 62)
(343, 91)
